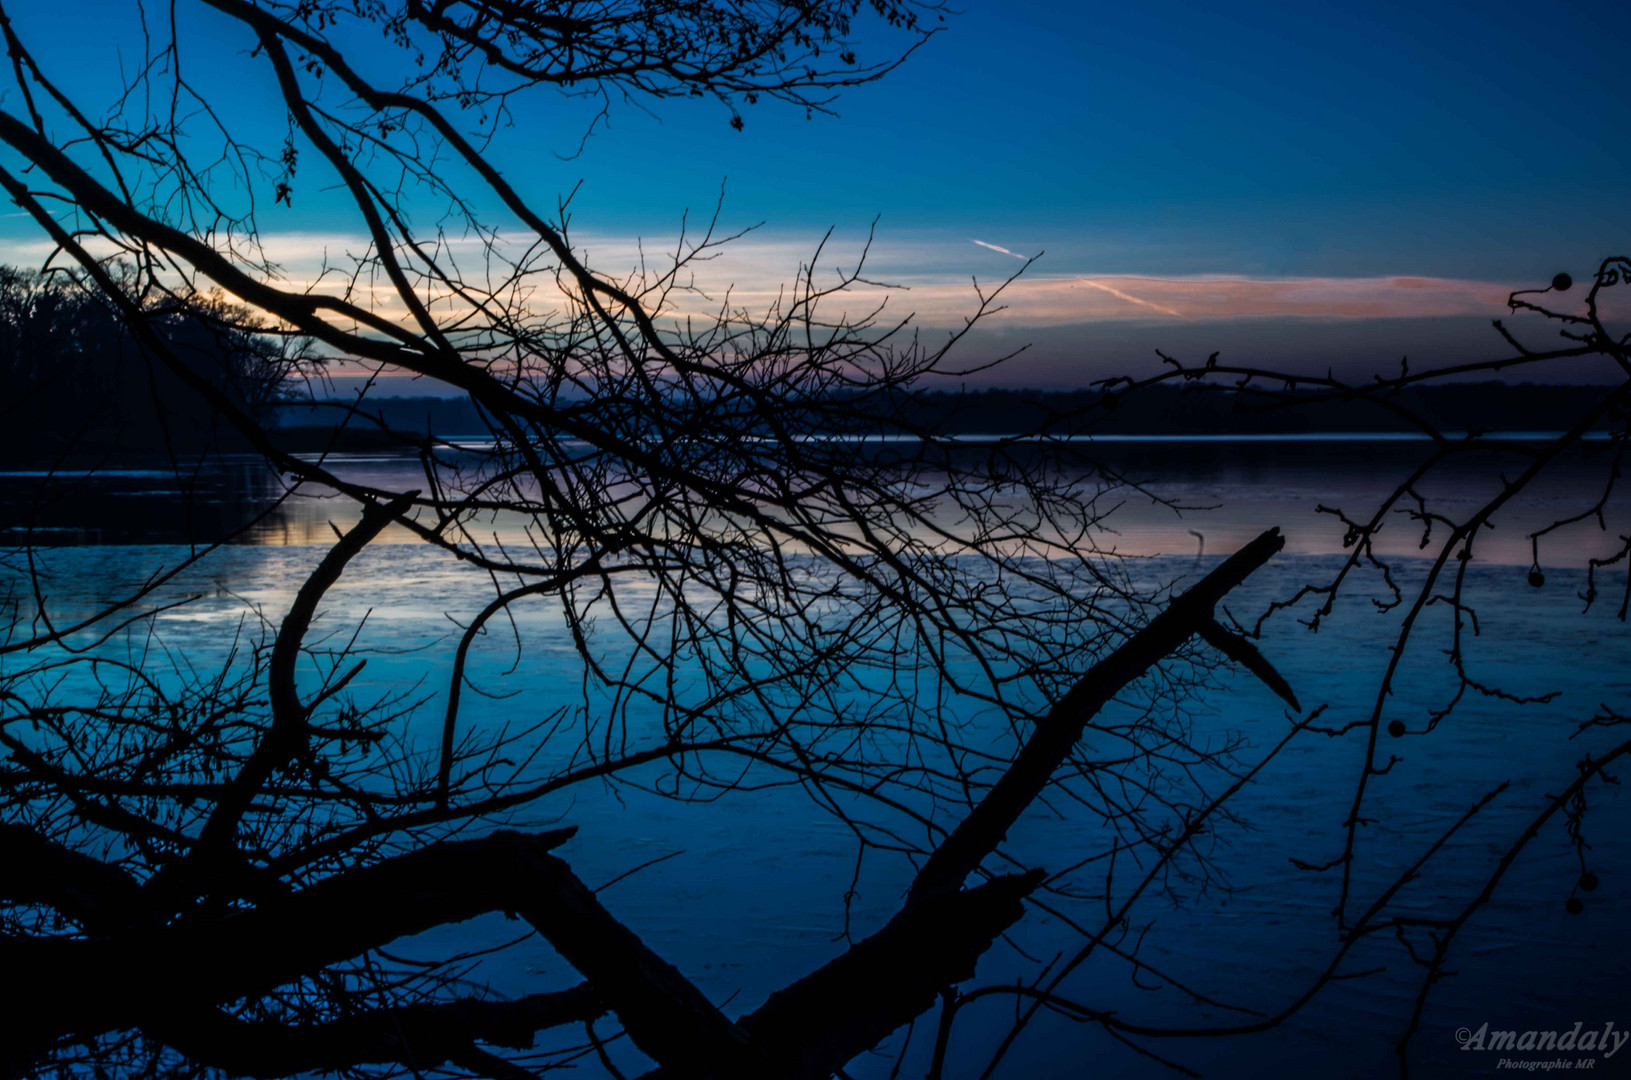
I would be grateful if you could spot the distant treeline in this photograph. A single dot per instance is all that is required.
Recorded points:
(75, 381)
(446, 417)
(1210, 410)
(1156, 410)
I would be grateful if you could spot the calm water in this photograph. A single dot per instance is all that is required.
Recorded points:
(754, 897)
(1224, 489)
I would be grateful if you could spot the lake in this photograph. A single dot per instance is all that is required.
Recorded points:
(751, 894)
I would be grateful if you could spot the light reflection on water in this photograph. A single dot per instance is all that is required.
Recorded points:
(757, 899)
(1166, 492)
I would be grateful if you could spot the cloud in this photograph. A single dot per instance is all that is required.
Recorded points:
(1057, 301)
(927, 277)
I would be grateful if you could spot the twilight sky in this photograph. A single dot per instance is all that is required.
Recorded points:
(1464, 140)
(1315, 184)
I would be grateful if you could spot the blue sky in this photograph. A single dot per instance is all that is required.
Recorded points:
(1255, 176)
(1468, 140)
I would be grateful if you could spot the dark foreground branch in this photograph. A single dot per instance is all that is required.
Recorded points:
(138, 976)
(813, 1027)
(418, 1036)
(810, 1029)
(1057, 733)
(41, 871)
(144, 978)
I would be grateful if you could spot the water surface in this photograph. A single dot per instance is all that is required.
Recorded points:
(755, 893)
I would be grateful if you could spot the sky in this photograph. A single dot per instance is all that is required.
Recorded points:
(1471, 140)
(1326, 185)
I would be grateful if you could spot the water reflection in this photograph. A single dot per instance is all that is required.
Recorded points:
(1170, 496)
(760, 894)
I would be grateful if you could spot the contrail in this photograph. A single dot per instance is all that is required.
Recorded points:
(1118, 294)
(1004, 250)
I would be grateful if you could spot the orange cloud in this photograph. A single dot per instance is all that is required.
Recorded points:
(929, 281)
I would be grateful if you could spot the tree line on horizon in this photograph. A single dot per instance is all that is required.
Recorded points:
(1188, 409)
(74, 380)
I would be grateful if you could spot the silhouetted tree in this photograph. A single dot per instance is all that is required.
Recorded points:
(73, 375)
(1436, 620)
(207, 870)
